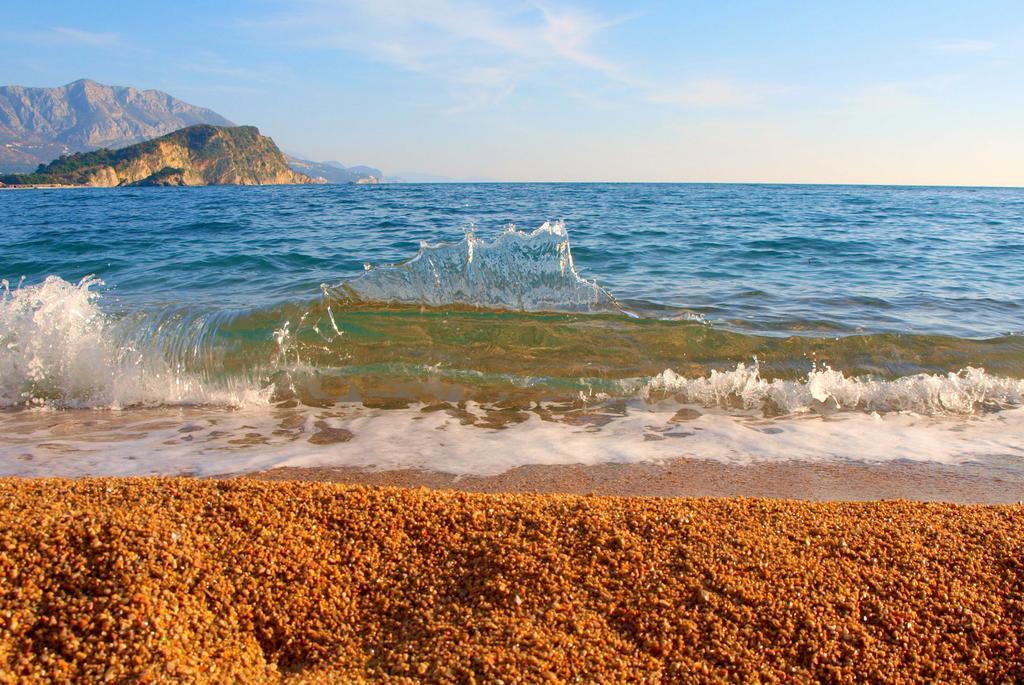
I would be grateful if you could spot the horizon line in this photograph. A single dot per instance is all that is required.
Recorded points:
(704, 183)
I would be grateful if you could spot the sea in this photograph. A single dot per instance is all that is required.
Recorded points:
(473, 329)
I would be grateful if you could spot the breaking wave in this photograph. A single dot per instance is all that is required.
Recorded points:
(59, 348)
(518, 271)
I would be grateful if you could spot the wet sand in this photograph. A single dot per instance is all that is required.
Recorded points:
(844, 481)
(188, 580)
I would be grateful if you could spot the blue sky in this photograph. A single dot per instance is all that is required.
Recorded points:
(874, 92)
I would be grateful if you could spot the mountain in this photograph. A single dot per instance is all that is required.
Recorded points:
(334, 172)
(40, 124)
(193, 156)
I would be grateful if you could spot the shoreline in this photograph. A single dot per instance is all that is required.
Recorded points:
(796, 480)
(243, 580)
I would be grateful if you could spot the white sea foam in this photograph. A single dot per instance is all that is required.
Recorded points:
(966, 392)
(208, 441)
(59, 349)
(517, 271)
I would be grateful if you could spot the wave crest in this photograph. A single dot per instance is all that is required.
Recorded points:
(59, 349)
(517, 271)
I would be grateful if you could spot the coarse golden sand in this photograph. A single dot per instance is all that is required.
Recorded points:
(157, 580)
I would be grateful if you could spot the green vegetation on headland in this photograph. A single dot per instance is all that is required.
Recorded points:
(71, 169)
(196, 155)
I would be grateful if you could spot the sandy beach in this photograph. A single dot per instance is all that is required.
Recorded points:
(153, 580)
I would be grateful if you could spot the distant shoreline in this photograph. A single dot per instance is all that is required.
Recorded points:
(42, 187)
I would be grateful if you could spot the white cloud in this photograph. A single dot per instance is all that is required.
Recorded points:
(208, 62)
(481, 50)
(884, 97)
(901, 95)
(965, 46)
(708, 92)
(65, 35)
(569, 35)
(81, 37)
(484, 51)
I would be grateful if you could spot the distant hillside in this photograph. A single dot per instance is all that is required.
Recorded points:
(40, 124)
(194, 156)
(334, 172)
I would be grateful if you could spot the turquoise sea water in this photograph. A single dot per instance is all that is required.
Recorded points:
(767, 301)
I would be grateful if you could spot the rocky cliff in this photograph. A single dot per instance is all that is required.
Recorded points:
(194, 156)
(39, 124)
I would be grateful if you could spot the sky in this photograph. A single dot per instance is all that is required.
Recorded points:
(915, 92)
